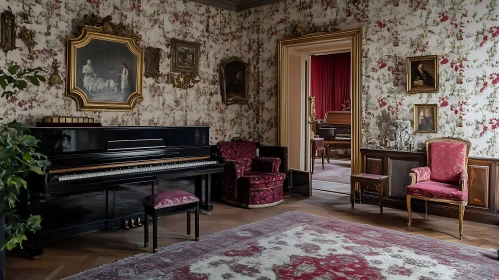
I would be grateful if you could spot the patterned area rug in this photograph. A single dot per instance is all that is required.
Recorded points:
(296, 245)
(338, 171)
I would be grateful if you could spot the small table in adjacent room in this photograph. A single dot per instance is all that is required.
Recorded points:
(372, 179)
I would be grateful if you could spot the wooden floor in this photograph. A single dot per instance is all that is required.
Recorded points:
(69, 256)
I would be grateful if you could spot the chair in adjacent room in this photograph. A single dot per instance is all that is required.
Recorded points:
(316, 148)
(248, 180)
(444, 179)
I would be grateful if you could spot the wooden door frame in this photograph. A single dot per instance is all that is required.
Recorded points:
(284, 46)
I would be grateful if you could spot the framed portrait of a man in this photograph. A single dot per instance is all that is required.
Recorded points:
(105, 71)
(422, 74)
(234, 81)
(185, 56)
(425, 118)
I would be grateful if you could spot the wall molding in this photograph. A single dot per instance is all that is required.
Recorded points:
(236, 5)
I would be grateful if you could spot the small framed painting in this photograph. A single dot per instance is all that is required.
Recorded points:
(234, 81)
(185, 56)
(8, 30)
(422, 74)
(425, 118)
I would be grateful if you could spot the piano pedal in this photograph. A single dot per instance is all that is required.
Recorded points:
(139, 224)
(126, 225)
(132, 222)
(204, 212)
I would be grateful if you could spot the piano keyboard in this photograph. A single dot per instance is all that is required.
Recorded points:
(132, 169)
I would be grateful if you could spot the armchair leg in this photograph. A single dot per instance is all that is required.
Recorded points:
(409, 214)
(461, 217)
(426, 209)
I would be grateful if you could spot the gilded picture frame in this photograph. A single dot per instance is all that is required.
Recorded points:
(185, 56)
(425, 118)
(7, 31)
(422, 74)
(234, 81)
(151, 61)
(105, 71)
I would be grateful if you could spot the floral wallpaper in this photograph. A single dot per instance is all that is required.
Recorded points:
(464, 34)
(156, 21)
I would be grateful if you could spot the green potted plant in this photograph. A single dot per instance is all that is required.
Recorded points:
(18, 158)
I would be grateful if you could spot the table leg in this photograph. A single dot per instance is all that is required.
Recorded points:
(381, 187)
(327, 154)
(352, 192)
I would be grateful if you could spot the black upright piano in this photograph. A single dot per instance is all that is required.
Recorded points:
(99, 175)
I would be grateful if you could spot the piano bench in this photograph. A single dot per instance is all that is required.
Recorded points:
(168, 203)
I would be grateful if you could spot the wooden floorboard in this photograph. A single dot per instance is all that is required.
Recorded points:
(71, 255)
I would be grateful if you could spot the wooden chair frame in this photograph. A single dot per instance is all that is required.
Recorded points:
(461, 204)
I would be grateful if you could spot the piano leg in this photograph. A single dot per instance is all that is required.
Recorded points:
(107, 208)
(203, 192)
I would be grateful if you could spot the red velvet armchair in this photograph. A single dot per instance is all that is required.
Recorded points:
(445, 179)
(248, 180)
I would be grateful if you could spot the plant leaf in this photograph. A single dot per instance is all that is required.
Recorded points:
(34, 80)
(42, 78)
(13, 69)
(34, 223)
(3, 82)
(27, 156)
(28, 140)
(22, 84)
(36, 169)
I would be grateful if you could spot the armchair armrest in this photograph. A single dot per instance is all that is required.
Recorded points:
(463, 180)
(266, 164)
(420, 174)
(233, 169)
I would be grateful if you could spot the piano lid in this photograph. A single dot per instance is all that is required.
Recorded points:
(68, 140)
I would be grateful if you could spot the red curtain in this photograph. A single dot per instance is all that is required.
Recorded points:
(330, 82)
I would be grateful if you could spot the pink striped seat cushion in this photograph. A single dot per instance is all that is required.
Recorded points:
(169, 199)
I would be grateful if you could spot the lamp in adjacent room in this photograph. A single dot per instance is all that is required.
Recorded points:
(312, 115)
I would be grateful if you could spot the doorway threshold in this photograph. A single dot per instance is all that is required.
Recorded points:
(332, 187)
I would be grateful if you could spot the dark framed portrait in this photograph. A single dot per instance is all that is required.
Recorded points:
(185, 56)
(425, 118)
(105, 71)
(234, 81)
(152, 59)
(8, 30)
(422, 74)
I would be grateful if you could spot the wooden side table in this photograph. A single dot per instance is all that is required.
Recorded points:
(363, 178)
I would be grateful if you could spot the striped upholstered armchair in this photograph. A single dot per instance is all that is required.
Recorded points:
(444, 179)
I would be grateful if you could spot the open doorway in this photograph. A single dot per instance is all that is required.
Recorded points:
(297, 118)
(330, 87)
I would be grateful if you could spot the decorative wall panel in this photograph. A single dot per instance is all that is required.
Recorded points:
(374, 166)
(398, 170)
(479, 178)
